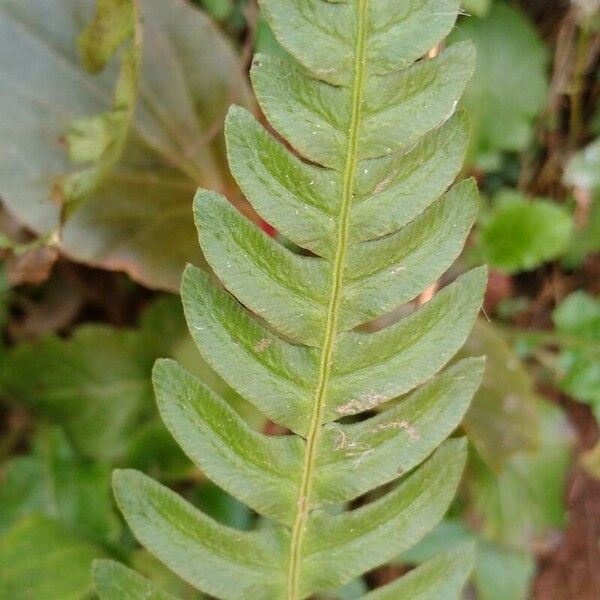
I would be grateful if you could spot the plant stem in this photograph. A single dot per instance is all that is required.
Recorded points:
(339, 263)
(577, 84)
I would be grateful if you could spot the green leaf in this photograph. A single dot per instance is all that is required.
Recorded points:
(501, 572)
(262, 471)
(523, 502)
(519, 235)
(265, 42)
(219, 9)
(39, 558)
(151, 568)
(319, 135)
(504, 573)
(358, 457)
(101, 139)
(52, 480)
(210, 551)
(578, 316)
(342, 546)
(96, 383)
(113, 23)
(397, 38)
(140, 220)
(367, 198)
(479, 8)
(503, 418)
(113, 580)
(263, 367)
(293, 196)
(221, 560)
(509, 88)
(515, 488)
(441, 578)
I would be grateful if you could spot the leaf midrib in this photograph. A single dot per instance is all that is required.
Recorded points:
(325, 364)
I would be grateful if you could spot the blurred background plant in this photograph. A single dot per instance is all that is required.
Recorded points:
(104, 139)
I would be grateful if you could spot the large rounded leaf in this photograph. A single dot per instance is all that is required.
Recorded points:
(140, 220)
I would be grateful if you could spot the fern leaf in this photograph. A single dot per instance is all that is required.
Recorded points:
(262, 471)
(113, 580)
(368, 191)
(440, 578)
(222, 561)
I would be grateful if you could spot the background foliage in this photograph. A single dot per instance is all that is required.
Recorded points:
(98, 167)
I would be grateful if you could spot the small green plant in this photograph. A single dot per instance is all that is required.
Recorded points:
(379, 146)
(518, 234)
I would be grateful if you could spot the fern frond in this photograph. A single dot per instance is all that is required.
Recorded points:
(113, 580)
(367, 192)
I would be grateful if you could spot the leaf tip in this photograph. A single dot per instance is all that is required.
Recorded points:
(122, 481)
(100, 568)
(160, 366)
(235, 114)
(187, 274)
(468, 53)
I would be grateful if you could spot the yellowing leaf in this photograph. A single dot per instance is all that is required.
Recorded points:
(139, 220)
